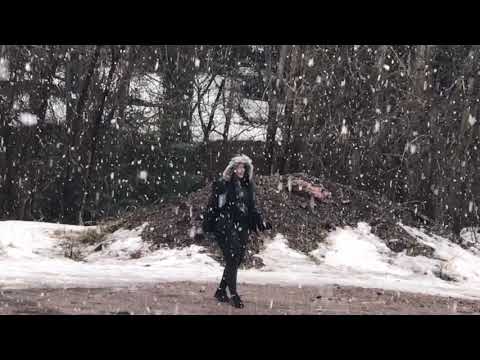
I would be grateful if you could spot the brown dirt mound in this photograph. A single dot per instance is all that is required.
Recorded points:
(303, 220)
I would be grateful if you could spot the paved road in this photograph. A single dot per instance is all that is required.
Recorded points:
(184, 298)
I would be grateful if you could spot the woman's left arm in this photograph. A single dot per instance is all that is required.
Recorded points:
(256, 214)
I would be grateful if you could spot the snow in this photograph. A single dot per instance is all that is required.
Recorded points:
(356, 257)
(413, 148)
(471, 235)
(31, 256)
(28, 119)
(143, 175)
(357, 249)
(4, 71)
(256, 110)
(471, 120)
(123, 244)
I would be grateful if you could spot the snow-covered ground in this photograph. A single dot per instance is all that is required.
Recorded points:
(31, 256)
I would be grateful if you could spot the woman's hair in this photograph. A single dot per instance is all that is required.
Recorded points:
(239, 159)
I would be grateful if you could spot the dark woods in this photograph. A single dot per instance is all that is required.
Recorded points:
(117, 127)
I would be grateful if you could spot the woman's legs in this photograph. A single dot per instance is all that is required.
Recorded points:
(233, 247)
(234, 257)
(220, 293)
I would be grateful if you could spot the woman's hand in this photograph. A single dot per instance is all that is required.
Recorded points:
(264, 225)
(220, 186)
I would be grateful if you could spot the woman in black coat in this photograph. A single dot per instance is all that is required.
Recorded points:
(231, 216)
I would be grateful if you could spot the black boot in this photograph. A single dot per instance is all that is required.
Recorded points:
(237, 302)
(221, 295)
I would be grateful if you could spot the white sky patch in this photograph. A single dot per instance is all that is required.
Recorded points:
(197, 63)
(256, 110)
(311, 62)
(149, 88)
(28, 119)
(376, 129)
(386, 67)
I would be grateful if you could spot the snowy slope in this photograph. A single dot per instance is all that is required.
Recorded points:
(30, 256)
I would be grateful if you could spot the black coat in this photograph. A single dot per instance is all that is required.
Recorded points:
(217, 218)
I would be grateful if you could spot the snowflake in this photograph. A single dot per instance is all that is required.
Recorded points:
(28, 119)
(143, 175)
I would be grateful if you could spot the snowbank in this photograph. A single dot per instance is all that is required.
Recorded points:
(31, 256)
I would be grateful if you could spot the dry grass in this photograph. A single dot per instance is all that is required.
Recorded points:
(73, 242)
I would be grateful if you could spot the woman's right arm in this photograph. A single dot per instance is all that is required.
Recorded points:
(220, 190)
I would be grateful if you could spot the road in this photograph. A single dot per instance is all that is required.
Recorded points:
(185, 298)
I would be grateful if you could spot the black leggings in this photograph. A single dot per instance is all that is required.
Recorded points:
(233, 245)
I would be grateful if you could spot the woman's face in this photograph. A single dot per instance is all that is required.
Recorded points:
(240, 171)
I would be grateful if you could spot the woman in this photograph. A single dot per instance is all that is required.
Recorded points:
(230, 216)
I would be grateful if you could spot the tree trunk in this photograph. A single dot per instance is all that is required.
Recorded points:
(274, 86)
(7, 140)
(72, 182)
(127, 70)
(95, 136)
(290, 116)
(229, 105)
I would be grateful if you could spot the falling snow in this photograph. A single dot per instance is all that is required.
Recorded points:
(4, 70)
(28, 119)
(471, 120)
(413, 149)
(143, 175)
